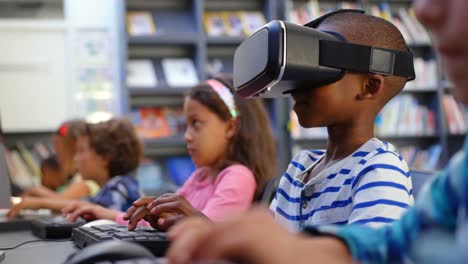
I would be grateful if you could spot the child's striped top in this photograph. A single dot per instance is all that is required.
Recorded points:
(371, 186)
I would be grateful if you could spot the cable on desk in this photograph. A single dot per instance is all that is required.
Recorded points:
(37, 240)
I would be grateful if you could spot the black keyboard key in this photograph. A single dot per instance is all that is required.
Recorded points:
(141, 238)
(121, 235)
(103, 228)
(151, 239)
(103, 236)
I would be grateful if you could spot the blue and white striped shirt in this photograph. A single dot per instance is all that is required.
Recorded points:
(371, 186)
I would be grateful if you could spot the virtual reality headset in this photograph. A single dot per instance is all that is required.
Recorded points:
(301, 56)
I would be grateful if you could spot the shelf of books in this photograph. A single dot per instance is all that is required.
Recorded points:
(25, 152)
(197, 39)
(163, 63)
(424, 121)
(163, 39)
(226, 24)
(172, 46)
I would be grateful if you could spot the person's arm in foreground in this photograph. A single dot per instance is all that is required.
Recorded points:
(254, 238)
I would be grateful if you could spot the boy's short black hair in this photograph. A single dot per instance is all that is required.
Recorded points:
(367, 30)
(370, 30)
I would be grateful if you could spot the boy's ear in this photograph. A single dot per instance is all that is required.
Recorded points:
(372, 86)
(231, 128)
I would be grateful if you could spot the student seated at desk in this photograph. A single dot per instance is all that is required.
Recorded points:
(358, 178)
(107, 153)
(62, 180)
(231, 143)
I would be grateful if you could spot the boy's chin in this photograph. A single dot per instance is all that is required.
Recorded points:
(310, 123)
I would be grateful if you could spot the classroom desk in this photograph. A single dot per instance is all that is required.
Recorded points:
(49, 252)
(37, 252)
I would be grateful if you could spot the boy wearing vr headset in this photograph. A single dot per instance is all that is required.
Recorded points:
(358, 64)
(433, 231)
(342, 69)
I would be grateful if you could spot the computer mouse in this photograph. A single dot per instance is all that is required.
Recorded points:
(100, 222)
(109, 251)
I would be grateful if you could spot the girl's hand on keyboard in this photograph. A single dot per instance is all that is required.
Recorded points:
(142, 202)
(88, 211)
(172, 203)
(161, 212)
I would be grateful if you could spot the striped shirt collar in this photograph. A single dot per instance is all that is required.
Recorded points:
(306, 165)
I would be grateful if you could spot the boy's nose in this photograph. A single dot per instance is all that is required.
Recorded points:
(432, 13)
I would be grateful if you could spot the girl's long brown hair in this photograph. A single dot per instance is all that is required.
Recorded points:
(253, 145)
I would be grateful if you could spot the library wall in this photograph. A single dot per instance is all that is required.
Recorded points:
(424, 121)
(171, 45)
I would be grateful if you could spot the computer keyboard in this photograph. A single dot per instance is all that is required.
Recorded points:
(54, 227)
(154, 240)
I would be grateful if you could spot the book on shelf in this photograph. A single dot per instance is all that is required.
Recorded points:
(252, 21)
(215, 25)
(140, 23)
(141, 73)
(215, 66)
(426, 75)
(158, 122)
(402, 116)
(31, 160)
(151, 123)
(12, 170)
(421, 159)
(453, 115)
(175, 120)
(304, 12)
(21, 175)
(404, 19)
(405, 116)
(179, 72)
(233, 24)
(42, 150)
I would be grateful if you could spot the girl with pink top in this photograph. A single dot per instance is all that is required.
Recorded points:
(231, 143)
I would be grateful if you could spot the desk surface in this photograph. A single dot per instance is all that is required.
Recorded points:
(37, 252)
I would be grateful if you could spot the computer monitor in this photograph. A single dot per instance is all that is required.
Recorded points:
(5, 191)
